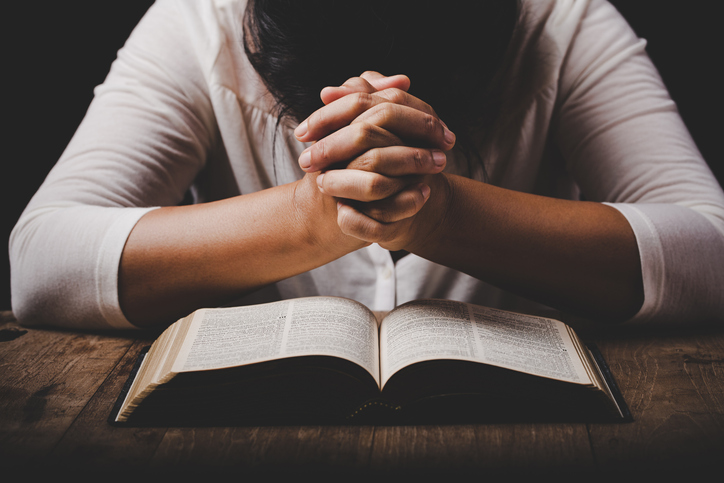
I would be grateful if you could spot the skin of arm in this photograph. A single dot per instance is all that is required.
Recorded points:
(178, 259)
(577, 256)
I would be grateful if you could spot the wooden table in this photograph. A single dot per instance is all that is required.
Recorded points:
(57, 389)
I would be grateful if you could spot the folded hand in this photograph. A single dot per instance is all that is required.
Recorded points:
(392, 146)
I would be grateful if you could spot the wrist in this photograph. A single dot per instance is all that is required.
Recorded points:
(316, 218)
(433, 221)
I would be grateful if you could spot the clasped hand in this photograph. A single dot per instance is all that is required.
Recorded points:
(379, 151)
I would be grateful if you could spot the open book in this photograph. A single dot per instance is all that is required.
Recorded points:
(329, 360)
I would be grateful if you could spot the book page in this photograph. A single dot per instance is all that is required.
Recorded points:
(437, 329)
(327, 326)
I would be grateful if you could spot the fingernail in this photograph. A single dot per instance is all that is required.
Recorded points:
(449, 136)
(439, 158)
(319, 182)
(302, 129)
(339, 205)
(305, 159)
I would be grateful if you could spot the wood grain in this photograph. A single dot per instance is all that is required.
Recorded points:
(48, 377)
(674, 385)
(486, 449)
(57, 389)
(268, 450)
(92, 444)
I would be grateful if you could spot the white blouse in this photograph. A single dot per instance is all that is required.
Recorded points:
(182, 109)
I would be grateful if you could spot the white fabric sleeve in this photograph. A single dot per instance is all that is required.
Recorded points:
(143, 140)
(626, 144)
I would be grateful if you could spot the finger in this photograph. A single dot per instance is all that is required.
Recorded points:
(354, 223)
(374, 82)
(400, 161)
(405, 204)
(334, 116)
(381, 82)
(362, 186)
(350, 86)
(409, 124)
(345, 110)
(345, 144)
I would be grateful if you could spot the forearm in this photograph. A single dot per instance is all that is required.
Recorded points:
(178, 259)
(577, 256)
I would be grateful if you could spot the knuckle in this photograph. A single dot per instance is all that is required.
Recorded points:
(361, 101)
(353, 82)
(375, 213)
(320, 152)
(362, 134)
(376, 187)
(367, 133)
(318, 118)
(397, 96)
(373, 230)
(381, 112)
(358, 225)
(380, 214)
(431, 125)
(369, 161)
(419, 159)
(370, 189)
(374, 159)
(358, 84)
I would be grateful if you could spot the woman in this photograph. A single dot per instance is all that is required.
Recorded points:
(532, 109)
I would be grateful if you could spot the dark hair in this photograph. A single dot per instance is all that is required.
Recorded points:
(451, 50)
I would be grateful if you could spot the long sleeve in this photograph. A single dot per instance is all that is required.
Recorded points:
(145, 137)
(626, 144)
(182, 107)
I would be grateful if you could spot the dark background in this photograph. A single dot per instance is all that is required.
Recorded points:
(59, 51)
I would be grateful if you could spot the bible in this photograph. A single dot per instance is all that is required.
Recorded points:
(330, 360)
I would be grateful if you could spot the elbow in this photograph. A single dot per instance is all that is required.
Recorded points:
(29, 300)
